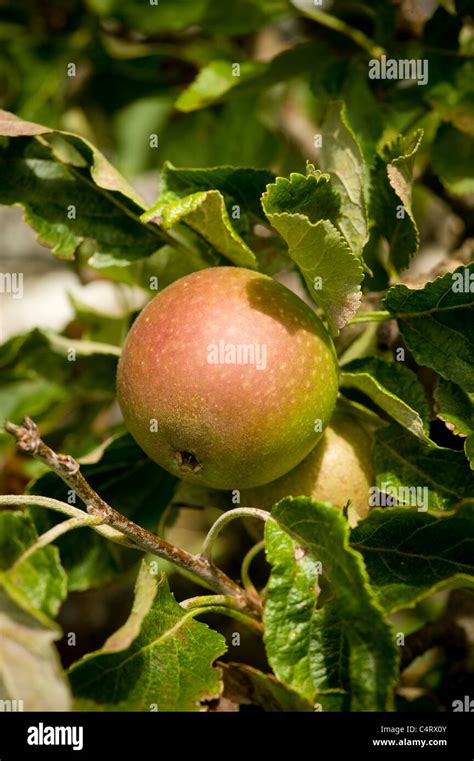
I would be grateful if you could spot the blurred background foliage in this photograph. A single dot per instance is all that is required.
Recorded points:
(160, 70)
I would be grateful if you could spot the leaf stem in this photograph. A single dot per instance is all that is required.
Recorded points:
(163, 521)
(54, 533)
(27, 500)
(246, 562)
(209, 600)
(224, 519)
(375, 316)
(221, 604)
(338, 25)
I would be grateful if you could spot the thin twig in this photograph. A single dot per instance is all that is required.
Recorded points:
(68, 469)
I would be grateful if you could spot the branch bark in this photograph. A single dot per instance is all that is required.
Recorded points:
(68, 469)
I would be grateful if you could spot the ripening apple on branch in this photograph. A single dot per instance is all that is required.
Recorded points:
(338, 470)
(227, 378)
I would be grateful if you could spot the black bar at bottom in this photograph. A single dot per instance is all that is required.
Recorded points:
(370, 735)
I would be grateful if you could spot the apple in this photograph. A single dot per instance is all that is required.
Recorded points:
(337, 470)
(227, 378)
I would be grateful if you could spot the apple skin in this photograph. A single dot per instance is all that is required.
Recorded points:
(338, 469)
(227, 426)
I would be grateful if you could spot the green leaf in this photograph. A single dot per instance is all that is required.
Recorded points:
(342, 159)
(456, 407)
(142, 116)
(129, 481)
(206, 213)
(205, 199)
(437, 326)
(410, 555)
(289, 609)
(331, 661)
(213, 81)
(216, 81)
(62, 383)
(30, 669)
(159, 658)
(168, 264)
(403, 464)
(102, 326)
(220, 137)
(362, 110)
(344, 84)
(151, 18)
(37, 397)
(311, 195)
(239, 185)
(82, 367)
(453, 159)
(210, 15)
(248, 686)
(390, 198)
(455, 101)
(350, 609)
(38, 581)
(72, 196)
(469, 450)
(247, 16)
(331, 271)
(392, 387)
